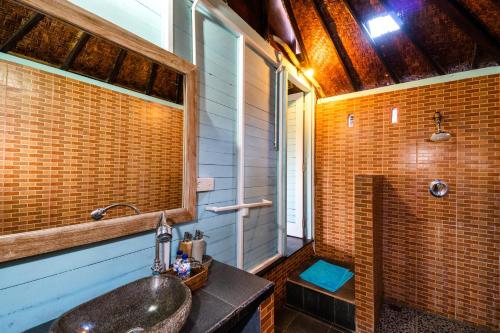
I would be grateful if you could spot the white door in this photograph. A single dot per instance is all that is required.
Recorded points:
(260, 226)
(295, 165)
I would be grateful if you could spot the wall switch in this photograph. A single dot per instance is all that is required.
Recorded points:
(205, 184)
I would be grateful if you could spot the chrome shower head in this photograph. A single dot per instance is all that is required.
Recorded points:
(439, 135)
(100, 212)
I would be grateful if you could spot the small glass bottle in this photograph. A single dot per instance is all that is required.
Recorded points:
(178, 261)
(184, 267)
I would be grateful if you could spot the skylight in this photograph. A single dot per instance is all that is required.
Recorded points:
(381, 25)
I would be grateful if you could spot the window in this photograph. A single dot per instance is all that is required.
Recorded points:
(381, 25)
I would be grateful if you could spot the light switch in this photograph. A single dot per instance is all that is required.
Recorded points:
(205, 184)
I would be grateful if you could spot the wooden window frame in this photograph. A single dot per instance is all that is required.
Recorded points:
(31, 243)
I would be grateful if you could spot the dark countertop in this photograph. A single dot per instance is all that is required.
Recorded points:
(230, 296)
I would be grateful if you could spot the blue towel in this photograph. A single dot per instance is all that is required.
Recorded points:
(327, 276)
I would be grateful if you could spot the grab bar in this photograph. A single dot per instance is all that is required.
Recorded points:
(243, 207)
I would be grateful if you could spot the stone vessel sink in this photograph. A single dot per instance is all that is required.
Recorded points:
(153, 304)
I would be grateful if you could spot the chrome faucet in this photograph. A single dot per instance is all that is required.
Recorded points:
(163, 234)
(100, 212)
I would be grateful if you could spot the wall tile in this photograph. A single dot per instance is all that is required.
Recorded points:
(441, 254)
(69, 147)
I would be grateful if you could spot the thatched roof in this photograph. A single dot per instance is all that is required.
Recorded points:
(435, 37)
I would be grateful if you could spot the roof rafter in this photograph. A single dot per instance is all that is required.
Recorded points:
(470, 25)
(180, 88)
(355, 16)
(345, 61)
(116, 67)
(75, 51)
(295, 26)
(414, 40)
(21, 32)
(152, 78)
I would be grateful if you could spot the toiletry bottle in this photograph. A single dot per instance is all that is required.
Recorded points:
(199, 246)
(178, 261)
(184, 267)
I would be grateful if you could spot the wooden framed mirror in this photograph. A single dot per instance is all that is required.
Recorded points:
(71, 145)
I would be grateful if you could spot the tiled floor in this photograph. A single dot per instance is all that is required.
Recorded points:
(393, 319)
(291, 321)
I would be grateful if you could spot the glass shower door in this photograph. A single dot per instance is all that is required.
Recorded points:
(260, 227)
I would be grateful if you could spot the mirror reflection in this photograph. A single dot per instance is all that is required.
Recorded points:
(86, 123)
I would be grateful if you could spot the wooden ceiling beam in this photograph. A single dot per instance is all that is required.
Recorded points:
(414, 40)
(293, 58)
(180, 88)
(296, 29)
(345, 61)
(116, 67)
(152, 78)
(475, 57)
(23, 30)
(75, 51)
(375, 47)
(470, 25)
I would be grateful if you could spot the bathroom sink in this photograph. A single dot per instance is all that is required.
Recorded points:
(154, 304)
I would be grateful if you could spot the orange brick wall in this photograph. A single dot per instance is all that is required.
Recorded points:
(368, 214)
(280, 273)
(67, 147)
(266, 310)
(440, 255)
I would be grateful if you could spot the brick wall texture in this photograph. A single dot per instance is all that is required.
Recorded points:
(440, 254)
(280, 273)
(266, 312)
(368, 215)
(68, 147)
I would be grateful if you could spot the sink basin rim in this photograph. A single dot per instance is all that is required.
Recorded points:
(171, 324)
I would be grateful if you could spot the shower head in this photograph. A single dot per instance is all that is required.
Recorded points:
(439, 135)
(99, 213)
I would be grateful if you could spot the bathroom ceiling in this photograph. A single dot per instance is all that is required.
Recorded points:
(37, 37)
(355, 45)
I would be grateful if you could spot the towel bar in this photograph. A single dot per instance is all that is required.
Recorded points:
(243, 207)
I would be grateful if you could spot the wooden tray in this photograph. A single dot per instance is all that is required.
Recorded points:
(198, 278)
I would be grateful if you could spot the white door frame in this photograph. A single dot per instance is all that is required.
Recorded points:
(297, 229)
(285, 71)
(245, 37)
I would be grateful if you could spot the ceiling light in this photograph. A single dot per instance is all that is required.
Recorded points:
(309, 72)
(381, 25)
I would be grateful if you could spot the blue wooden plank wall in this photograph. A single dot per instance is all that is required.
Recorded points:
(146, 15)
(38, 289)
